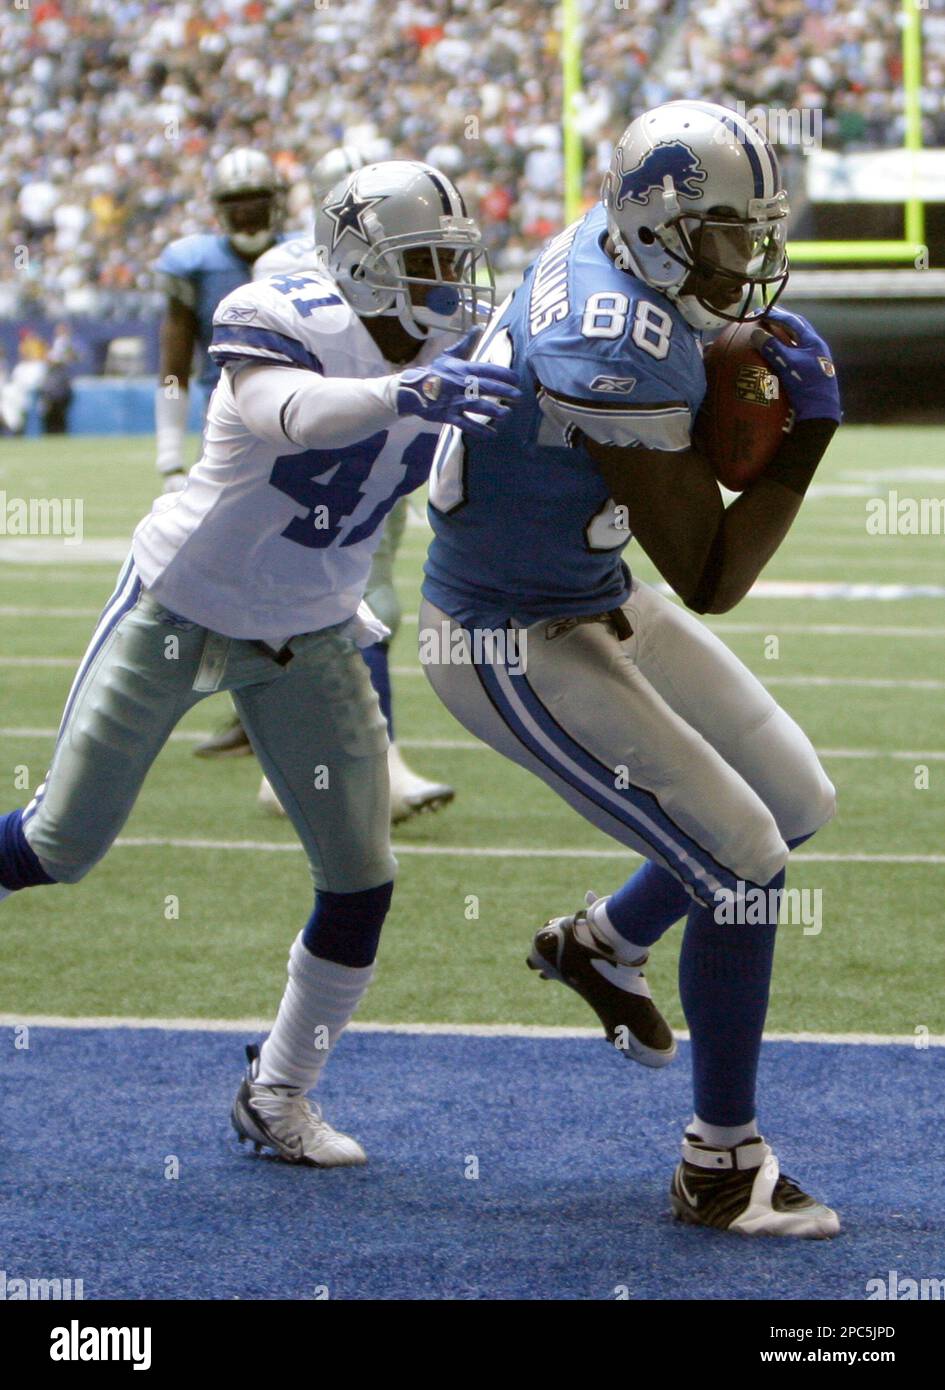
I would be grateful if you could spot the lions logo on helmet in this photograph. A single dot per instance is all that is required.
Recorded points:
(714, 260)
(382, 216)
(669, 157)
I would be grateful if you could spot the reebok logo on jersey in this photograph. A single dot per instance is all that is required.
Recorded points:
(621, 385)
(669, 157)
(238, 314)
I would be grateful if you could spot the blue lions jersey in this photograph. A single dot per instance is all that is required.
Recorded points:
(201, 270)
(523, 523)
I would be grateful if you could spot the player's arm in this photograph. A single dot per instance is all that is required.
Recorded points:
(294, 403)
(753, 527)
(178, 337)
(709, 554)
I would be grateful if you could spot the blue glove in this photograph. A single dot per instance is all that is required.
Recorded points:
(449, 391)
(804, 367)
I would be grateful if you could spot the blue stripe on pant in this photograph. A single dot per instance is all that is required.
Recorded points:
(633, 807)
(121, 602)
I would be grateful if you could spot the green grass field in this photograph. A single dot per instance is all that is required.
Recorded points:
(106, 947)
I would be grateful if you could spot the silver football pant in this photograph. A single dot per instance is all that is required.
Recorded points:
(663, 738)
(315, 725)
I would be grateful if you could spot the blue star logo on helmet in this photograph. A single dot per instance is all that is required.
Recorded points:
(347, 215)
(671, 157)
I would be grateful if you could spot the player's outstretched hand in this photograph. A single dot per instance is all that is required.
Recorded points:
(803, 366)
(451, 391)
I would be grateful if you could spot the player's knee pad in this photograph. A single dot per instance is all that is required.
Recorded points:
(798, 791)
(754, 850)
(19, 864)
(812, 802)
(345, 927)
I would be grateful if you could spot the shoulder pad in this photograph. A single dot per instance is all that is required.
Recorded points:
(191, 255)
(281, 319)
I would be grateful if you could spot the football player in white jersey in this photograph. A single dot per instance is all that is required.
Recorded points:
(410, 793)
(251, 579)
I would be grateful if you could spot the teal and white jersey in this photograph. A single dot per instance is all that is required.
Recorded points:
(524, 526)
(200, 270)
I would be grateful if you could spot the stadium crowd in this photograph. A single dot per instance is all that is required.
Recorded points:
(115, 110)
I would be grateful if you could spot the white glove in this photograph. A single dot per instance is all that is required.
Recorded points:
(174, 482)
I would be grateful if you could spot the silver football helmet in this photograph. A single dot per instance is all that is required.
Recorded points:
(398, 240)
(696, 210)
(249, 200)
(334, 166)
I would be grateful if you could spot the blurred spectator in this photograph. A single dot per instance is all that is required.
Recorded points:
(116, 110)
(24, 381)
(55, 395)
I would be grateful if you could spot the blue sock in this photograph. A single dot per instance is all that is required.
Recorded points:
(724, 979)
(376, 659)
(19, 867)
(345, 927)
(651, 900)
(648, 904)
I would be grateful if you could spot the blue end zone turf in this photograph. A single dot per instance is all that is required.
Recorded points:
(575, 1148)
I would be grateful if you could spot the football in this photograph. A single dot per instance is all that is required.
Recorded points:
(745, 413)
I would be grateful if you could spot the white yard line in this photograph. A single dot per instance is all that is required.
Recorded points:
(848, 682)
(488, 852)
(857, 682)
(803, 629)
(40, 661)
(471, 745)
(21, 611)
(416, 673)
(474, 1030)
(764, 629)
(828, 629)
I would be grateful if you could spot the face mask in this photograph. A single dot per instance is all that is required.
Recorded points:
(251, 243)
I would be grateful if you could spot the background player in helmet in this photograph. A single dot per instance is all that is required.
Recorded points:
(196, 272)
(409, 792)
(627, 706)
(250, 580)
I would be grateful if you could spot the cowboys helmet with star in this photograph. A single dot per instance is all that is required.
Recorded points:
(346, 214)
(373, 217)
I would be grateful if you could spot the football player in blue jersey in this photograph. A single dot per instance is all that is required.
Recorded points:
(619, 699)
(196, 272)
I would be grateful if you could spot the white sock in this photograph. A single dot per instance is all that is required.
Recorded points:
(4, 892)
(626, 952)
(317, 1005)
(723, 1136)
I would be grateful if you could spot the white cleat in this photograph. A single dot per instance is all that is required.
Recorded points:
(743, 1190)
(410, 794)
(268, 800)
(280, 1118)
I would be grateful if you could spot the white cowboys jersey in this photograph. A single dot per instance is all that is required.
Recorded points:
(268, 541)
